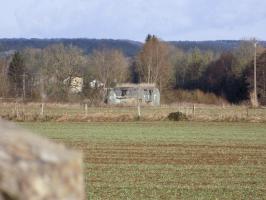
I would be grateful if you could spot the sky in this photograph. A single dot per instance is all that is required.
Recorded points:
(133, 19)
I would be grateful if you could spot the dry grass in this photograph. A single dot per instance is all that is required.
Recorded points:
(194, 96)
(76, 113)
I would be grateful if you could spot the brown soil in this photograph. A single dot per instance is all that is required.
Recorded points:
(164, 153)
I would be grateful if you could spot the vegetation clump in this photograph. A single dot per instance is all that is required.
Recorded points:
(61, 72)
(177, 116)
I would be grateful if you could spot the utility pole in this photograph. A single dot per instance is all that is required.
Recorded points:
(24, 86)
(264, 85)
(255, 75)
(43, 96)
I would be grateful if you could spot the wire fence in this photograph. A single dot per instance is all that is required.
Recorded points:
(193, 111)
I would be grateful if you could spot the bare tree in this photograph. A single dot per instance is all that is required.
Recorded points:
(53, 69)
(109, 66)
(61, 63)
(154, 62)
(244, 54)
(33, 64)
(4, 86)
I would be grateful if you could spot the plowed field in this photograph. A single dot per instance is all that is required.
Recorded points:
(187, 160)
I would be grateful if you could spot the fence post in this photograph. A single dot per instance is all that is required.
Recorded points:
(16, 109)
(138, 102)
(247, 112)
(86, 109)
(42, 109)
(193, 110)
(139, 113)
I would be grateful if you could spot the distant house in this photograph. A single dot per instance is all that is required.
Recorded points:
(76, 84)
(96, 84)
(131, 93)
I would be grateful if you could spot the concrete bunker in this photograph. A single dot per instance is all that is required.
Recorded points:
(132, 93)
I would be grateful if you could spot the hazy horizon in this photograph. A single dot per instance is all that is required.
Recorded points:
(69, 38)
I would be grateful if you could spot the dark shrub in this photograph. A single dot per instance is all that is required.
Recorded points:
(177, 116)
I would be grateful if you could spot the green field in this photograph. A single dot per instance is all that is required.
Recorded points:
(164, 160)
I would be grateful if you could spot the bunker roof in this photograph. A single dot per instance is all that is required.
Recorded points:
(141, 85)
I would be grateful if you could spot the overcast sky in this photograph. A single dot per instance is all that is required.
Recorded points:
(133, 19)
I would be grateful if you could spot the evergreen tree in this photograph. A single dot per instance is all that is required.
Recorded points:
(16, 71)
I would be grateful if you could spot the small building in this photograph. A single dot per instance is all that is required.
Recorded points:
(76, 84)
(132, 93)
(96, 84)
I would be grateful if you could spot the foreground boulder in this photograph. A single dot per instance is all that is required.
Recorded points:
(32, 168)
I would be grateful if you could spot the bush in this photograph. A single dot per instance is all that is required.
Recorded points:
(191, 96)
(177, 116)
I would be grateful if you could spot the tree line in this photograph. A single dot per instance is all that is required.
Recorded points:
(46, 74)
